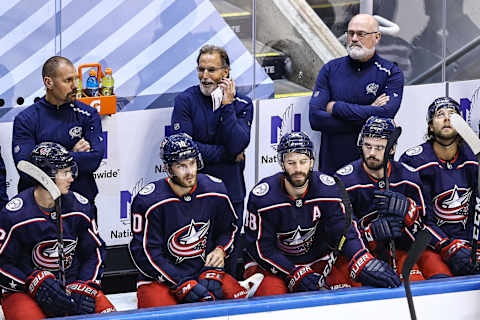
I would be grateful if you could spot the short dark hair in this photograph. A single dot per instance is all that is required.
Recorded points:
(50, 66)
(208, 48)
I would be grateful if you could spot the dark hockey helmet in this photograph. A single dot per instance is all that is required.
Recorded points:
(295, 142)
(376, 127)
(440, 103)
(179, 147)
(51, 156)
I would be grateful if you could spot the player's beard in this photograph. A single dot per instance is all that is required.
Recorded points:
(207, 87)
(297, 183)
(187, 181)
(357, 52)
(373, 163)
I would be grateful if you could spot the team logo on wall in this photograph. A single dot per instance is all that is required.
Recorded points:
(452, 205)
(189, 241)
(298, 241)
(75, 132)
(45, 254)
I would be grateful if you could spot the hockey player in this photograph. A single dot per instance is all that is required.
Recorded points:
(29, 266)
(183, 228)
(382, 215)
(3, 184)
(448, 169)
(59, 118)
(295, 219)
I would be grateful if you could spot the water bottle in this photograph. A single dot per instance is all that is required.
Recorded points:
(91, 88)
(107, 83)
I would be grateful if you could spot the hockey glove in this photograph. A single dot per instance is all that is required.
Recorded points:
(49, 294)
(390, 203)
(84, 293)
(192, 291)
(369, 271)
(212, 279)
(303, 278)
(384, 228)
(457, 254)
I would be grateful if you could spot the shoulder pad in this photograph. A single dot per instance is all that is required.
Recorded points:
(414, 151)
(80, 198)
(214, 179)
(326, 179)
(14, 204)
(261, 189)
(149, 188)
(346, 170)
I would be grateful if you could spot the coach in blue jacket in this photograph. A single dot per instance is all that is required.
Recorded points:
(349, 90)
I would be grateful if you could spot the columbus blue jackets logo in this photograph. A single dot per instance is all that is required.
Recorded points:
(75, 132)
(45, 254)
(452, 205)
(189, 241)
(372, 88)
(296, 242)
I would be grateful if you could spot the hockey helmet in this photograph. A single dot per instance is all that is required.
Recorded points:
(295, 142)
(440, 103)
(179, 147)
(376, 127)
(51, 156)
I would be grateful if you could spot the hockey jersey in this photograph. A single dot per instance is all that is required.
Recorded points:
(451, 188)
(29, 240)
(361, 186)
(284, 232)
(172, 235)
(66, 125)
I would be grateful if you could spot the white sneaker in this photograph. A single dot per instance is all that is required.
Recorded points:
(252, 283)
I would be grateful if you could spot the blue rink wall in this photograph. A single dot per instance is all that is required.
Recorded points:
(456, 298)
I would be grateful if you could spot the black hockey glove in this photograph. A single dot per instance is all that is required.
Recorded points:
(49, 294)
(384, 228)
(212, 279)
(390, 203)
(369, 271)
(303, 278)
(191, 291)
(458, 256)
(84, 293)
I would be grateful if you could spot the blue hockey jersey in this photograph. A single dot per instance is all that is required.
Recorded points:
(66, 125)
(284, 232)
(354, 86)
(451, 188)
(29, 240)
(220, 135)
(172, 235)
(361, 186)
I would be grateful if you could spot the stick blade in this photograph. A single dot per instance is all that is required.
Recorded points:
(40, 176)
(465, 132)
(422, 238)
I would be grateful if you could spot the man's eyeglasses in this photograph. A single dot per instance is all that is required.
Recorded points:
(210, 69)
(360, 34)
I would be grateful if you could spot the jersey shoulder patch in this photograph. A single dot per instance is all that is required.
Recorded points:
(261, 189)
(214, 179)
(14, 204)
(346, 170)
(414, 151)
(149, 188)
(80, 198)
(326, 179)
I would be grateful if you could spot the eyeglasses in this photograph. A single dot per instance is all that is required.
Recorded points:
(360, 34)
(369, 147)
(210, 69)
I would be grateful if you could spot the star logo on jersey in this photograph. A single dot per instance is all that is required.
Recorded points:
(451, 206)
(296, 242)
(45, 254)
(372, 88)
(13, 285)
(189, 241)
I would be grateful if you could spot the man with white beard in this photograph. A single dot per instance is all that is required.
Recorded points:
(219, 121)
(349, 90)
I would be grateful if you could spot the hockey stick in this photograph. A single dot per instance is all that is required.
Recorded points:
(46, 182)
(348, 221)
(422, 239)
(386, 156)
(464, 130)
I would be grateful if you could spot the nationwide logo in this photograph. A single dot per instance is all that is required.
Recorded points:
(189, 241)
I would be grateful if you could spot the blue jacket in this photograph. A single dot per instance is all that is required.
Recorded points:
(3, 184)
(220, 135)
(354, 86)
(65, 125)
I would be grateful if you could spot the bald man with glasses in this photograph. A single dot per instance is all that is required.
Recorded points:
(351, 89)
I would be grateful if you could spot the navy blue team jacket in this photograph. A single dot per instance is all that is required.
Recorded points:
(66, 125)
(3, 183)
(354, 86)
(220, 135)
